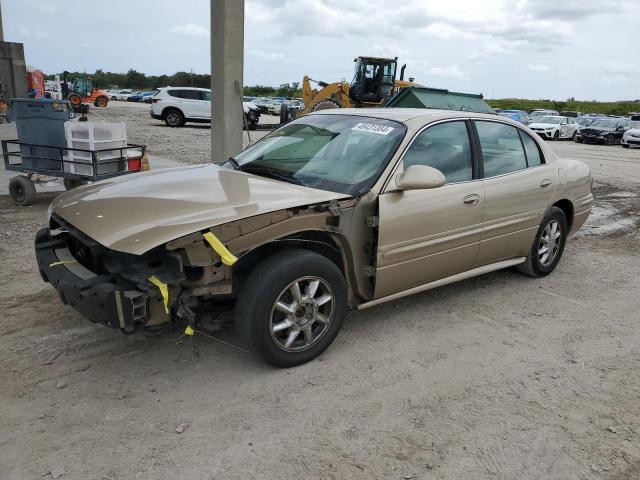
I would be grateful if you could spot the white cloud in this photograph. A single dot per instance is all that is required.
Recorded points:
(190, 30)
(449, 71)
(271, 56)
(538, 67)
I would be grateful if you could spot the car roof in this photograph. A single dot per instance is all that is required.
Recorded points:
(402, 114)
(184, 88)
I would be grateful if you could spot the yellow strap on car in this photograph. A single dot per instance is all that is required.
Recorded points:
(227, 257)
(164, 291)
(62, 262)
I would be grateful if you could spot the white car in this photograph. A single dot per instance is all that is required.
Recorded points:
(179, 105)
(555, 127)
(121, 95)
(632, 136)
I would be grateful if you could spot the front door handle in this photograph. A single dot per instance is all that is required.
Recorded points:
(471, 200)
(546, 183)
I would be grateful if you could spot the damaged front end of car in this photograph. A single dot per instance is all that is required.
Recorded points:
(187, 279)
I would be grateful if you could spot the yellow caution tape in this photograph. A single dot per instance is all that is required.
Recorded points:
(62, 262)
(189, 331)
(227, 257)
(164, 291)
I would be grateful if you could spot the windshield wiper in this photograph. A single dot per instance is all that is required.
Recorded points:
(270, 172)
(234, 164)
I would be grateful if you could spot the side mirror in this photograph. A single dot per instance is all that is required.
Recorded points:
(418, 177)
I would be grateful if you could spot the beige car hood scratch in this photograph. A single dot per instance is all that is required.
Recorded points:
(137, 212)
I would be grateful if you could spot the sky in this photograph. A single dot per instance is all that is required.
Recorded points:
(556, 49)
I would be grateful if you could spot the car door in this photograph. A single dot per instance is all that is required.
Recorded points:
(564, 132)
(425, 235)
(518, 187)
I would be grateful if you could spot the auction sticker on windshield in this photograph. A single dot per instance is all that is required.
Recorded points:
(372, 128)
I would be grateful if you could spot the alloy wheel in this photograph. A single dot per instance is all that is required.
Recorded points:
(301, 314)
(549, 244)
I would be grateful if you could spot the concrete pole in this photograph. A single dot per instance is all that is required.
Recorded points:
(227, 58)
(1, 29)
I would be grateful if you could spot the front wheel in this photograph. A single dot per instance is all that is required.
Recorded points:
(101, 102)
(22, 190)
(291, 307)
(624, 145)
(548, 245)
(556, 136)
(609, 140)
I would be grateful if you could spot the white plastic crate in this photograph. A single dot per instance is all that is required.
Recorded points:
(95, 136)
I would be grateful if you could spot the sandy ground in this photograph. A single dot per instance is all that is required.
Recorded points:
(497, 377)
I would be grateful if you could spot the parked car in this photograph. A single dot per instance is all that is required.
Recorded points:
(585, 121)
(603, 130)
(555, 127)
(517, 115)
(121, 95)
(570, 114)
(336, 210)
(139, 96)
(178, 105)
(146, 97)
(262, 104)
(530, 118)
(631, 136)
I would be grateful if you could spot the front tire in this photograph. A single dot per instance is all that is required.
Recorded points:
(101, 102)
(22, 190)
(174, 118)
(291, 307)
(624, 145)
(548, 245)
(556, 135)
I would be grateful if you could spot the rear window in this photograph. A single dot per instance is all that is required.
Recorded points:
(187, 94)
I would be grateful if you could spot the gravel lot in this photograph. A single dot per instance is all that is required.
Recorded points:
(496, 377)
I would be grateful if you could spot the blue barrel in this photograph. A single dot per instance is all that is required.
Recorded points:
(41, 122)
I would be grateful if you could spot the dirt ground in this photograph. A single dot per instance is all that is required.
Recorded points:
(496, 377)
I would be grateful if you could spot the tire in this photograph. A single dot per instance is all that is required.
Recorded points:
(101, 102)
(536, 264)
(326, 104)
(609, 140)
(271, 282)
(556, 136)
(71, 183)
(22, 190)
(573, 137)
(113, 99)
(577, 139)
(173, 118)
(75, 99)
(625, 146)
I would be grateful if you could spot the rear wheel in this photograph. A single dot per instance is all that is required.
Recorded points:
(609, 140)
(113, 98)
(548, 245)
(174, 118)
(75, 99)
(625, 145)
(71, 183)
(22, 190)
(291, 307)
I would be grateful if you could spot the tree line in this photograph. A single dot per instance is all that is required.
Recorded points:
(139, 81)
(571, 104)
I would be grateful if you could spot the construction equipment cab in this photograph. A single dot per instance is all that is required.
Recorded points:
(373, 80)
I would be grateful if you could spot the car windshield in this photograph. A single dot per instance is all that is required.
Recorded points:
(584, 121)
(554, 120)
(634, 124)
(604, 124)
(339, 153)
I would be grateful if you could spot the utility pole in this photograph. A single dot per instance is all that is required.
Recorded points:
(227, 58)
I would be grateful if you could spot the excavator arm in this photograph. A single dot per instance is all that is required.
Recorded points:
(336, 94)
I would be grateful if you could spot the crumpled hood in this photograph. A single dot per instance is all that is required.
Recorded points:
(137, 212)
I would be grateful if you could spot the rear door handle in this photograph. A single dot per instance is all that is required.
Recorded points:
(472, 199)
(546, 183)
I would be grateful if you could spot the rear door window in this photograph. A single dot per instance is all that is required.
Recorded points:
(502, 150)
(532, 150)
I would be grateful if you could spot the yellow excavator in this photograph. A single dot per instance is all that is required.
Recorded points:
(374, 82)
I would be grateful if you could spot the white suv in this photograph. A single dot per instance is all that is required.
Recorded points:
(178, 105)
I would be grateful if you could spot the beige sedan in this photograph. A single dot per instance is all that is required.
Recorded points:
(337, 210)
